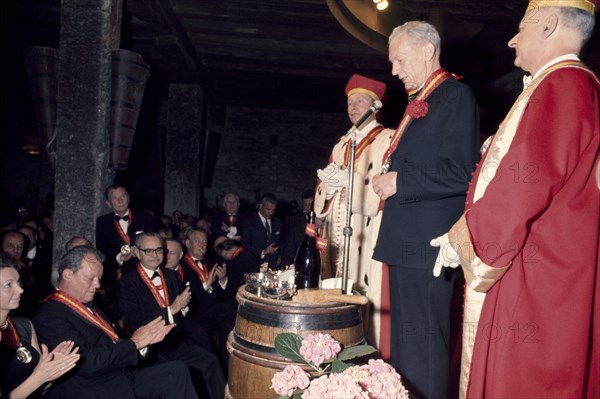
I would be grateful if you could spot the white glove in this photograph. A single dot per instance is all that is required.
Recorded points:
(333, 177)
(325, 174)
(231, 232)
(339, 179)
(447, 256)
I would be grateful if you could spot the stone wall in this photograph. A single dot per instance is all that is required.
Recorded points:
(271, 150)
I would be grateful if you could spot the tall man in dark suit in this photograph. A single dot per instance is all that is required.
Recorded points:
(428, 167)
(295, 229)
(150, 291)
(261, 232)
(115, 232)
(106, 368)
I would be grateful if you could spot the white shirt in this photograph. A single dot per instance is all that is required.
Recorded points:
(528, 79)
(362, 133)
(124, 223)
(158, 282)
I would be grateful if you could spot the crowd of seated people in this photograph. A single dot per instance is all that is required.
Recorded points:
(96, 321)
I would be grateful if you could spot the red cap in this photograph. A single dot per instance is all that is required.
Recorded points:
(364, 85)
(590, 6)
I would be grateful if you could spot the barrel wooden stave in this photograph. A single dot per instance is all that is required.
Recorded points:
(253, 358)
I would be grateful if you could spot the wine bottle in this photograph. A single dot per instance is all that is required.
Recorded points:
(308, 259)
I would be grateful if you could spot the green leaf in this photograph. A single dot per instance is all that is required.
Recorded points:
(338, 366)
(298, 394)
(355, 351)
(288, 346)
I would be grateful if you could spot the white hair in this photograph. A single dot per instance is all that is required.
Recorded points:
(420, 30)
(578, 19)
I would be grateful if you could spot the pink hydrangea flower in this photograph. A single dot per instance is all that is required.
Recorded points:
(379, 367)
(379, 379)
(292, 377)
(335, 386)
(359, 373)
(386, 386)
(319, 348)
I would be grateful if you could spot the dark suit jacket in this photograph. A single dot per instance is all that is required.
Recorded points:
(294, 234)
(215, 311)
(108, 240)
(254, 238)
(201, 299)
(138, 306)
(100, 373)
(190, 345)
(434, 160)
(243, 263)
(221, 218)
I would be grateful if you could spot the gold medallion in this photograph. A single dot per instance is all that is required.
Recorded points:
(125, 249)
(386, 166)
(23, 355)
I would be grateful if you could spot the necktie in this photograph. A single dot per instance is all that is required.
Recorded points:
(90, 306)
(158, 284)
(413, 94)
(268, 228)
(199, 263)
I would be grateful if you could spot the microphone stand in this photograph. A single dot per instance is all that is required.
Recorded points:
(347, 231)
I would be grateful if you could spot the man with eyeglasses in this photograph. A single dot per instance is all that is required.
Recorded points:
(150, 291)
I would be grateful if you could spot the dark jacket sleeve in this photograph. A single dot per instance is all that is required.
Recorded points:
(55, 323)
(136, 303)
(249, 232)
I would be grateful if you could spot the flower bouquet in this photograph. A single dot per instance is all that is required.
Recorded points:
(332, 378)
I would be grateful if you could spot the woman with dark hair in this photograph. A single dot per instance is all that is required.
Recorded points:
(25, 366)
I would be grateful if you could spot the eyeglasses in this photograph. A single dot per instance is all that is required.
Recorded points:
(150, 251)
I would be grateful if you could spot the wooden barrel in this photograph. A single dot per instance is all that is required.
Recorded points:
(253, 359)
(42, 65)
(129, 75)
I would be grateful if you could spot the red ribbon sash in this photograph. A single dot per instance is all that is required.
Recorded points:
(231, 219)
(180, 275)
(364, 143)
(123, 234)
(84, 312)
(201, 272)
(311, 230)
(10, 336)
(432, 83)
(238, 251)
(162, 302)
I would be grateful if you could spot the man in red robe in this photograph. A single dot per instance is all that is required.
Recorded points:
(528, 241)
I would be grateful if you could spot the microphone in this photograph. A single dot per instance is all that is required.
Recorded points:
(376, 106)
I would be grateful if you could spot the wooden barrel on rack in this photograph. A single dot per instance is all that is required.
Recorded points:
(129, 75)
(253, 359)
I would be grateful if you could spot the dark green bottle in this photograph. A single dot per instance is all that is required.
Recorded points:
(308, 259)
